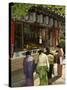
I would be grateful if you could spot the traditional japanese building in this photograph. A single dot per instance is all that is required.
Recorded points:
(41, 26)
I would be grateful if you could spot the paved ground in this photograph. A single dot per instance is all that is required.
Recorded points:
(18, 78)
(60, 80)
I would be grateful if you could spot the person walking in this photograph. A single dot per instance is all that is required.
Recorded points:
(42, 68)
(28, 68)
(51, 63)
(55, 64)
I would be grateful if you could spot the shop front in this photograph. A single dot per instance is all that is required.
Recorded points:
(37, 29)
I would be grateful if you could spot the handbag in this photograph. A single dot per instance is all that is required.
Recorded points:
(36, 79)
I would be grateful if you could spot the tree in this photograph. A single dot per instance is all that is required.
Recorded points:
(21, 9)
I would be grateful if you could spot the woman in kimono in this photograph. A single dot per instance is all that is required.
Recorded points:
(28, 68)
(42, 68)
(51, 63)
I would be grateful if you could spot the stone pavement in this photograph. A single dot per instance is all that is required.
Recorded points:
(60, 80)
(18, 78)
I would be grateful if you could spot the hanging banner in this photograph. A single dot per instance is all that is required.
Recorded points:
(40, 18)
(33, 17)
(46, 20)
(51, 22)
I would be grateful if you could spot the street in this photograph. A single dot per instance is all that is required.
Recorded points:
(18, 79)
(60, 80)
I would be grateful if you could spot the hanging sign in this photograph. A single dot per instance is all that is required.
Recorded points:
(40, 40)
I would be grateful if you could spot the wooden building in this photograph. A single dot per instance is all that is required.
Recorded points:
(41, 26)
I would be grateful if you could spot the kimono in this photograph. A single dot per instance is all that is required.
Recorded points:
(42, 69)
(28, 70)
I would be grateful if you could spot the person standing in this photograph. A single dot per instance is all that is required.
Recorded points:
(28, 68)
(42, 68)
(60, 60)
(51, 63)
(55, 64)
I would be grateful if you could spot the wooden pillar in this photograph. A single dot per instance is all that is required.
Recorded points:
(12, 36)
(54, 37)
(22, 28)
(59, 35)
(12, 31)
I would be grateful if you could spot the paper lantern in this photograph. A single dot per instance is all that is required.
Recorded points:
(40, 40)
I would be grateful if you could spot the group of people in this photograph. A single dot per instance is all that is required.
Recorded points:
(43, 67)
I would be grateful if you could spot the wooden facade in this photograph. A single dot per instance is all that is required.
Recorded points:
(38, 25)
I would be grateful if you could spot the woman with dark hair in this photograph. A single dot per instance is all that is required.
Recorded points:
(28, 68)
(51, 62)
(42, 68)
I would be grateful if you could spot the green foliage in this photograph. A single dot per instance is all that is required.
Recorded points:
(62, 43)
(58, 9)
(21, 9)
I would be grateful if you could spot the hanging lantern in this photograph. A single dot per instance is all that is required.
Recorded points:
(46, 20)
(40, 39)
(55, 23)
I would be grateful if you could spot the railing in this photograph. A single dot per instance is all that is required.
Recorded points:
(22, 53)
